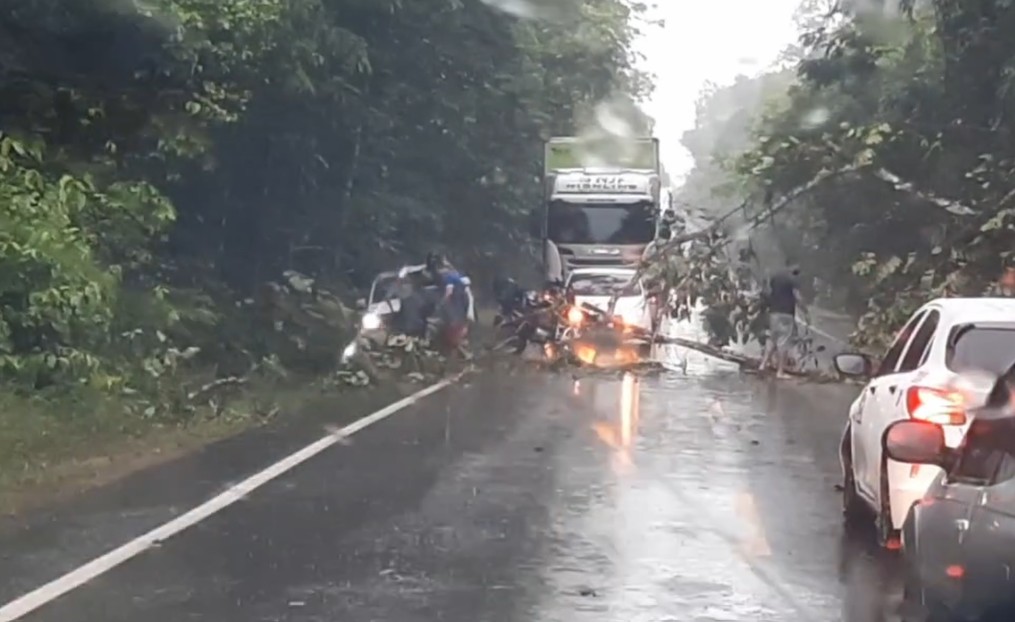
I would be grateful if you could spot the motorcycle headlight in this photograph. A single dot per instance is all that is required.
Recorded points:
(349, 352)
(371, 321)
(575, 316)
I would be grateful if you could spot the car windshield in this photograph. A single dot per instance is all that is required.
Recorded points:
(603, 285)
(385, 288)
(390, 287)
(984, 348)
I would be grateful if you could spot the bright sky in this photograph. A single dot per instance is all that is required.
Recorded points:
(708, 40)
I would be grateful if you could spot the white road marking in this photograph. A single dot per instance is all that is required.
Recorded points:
(49, 592)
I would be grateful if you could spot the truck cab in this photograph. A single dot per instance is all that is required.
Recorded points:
(602, 204)
(599, 218)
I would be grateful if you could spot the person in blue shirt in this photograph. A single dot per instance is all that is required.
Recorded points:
(453, 304)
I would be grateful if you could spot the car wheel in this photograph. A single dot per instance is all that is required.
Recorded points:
(887, 534)
(854, 510)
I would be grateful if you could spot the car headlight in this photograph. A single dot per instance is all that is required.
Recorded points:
(349, 352)
(371, 321)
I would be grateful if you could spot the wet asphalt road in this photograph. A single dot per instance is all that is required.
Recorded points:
(705, 496)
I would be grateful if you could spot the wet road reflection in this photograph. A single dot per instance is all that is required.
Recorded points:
(698, 496)
(726, 517)
(620, 434)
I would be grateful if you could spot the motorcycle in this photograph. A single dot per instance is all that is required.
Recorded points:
(532, 319)
(551, 318)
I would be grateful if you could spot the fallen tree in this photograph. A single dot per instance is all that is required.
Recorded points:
(747, 363)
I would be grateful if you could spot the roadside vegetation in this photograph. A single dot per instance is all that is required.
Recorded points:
(879, 155)
(191, 191)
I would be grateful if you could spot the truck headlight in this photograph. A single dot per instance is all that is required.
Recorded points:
(371, 321)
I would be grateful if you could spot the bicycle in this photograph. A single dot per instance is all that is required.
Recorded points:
(804, 354)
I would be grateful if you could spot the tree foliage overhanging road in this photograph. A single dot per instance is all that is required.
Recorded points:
(161, 161)
(899, 126)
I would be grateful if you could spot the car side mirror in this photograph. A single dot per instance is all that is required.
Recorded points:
(913, 441)
(361, 304)
(853, 365)
(536, 222)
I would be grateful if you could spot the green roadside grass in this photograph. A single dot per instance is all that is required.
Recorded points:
(55, 446)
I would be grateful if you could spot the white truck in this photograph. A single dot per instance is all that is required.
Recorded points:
(596, 213)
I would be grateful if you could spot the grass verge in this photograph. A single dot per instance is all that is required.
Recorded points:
(55, 446)
(52, 446)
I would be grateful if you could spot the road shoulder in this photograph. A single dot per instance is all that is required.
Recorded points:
(52, 539)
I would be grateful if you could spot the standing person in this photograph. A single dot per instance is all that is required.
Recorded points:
(783, 298)
(510, 296)
(1005, 287)
(453, 302)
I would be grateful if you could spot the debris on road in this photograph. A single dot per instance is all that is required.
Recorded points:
(751, 364)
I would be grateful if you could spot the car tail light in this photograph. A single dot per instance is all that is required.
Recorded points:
(940, 406)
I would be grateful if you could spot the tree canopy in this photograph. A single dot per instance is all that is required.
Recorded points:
(160, 161)
(889, 156)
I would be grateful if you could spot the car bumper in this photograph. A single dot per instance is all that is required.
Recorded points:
(907, 484)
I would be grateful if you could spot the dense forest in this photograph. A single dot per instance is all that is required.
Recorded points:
(164, 163)
(879, 153)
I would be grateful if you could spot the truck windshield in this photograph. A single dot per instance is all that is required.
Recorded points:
(594, 223)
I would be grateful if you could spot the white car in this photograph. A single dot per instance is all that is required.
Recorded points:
(596, 286)
(928, 373)
(384, 302)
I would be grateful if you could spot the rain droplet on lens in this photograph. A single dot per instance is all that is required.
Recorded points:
(533, 9)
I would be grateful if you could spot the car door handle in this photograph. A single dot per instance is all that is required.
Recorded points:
(962, 524)
(891, 389)
(872, 390)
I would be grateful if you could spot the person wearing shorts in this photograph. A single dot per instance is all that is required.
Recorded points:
(783, 299)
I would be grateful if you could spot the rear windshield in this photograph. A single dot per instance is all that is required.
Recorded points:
(603, 285)
(989, 349)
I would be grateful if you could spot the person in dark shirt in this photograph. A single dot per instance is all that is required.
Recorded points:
(510, 296)
(782, 300)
